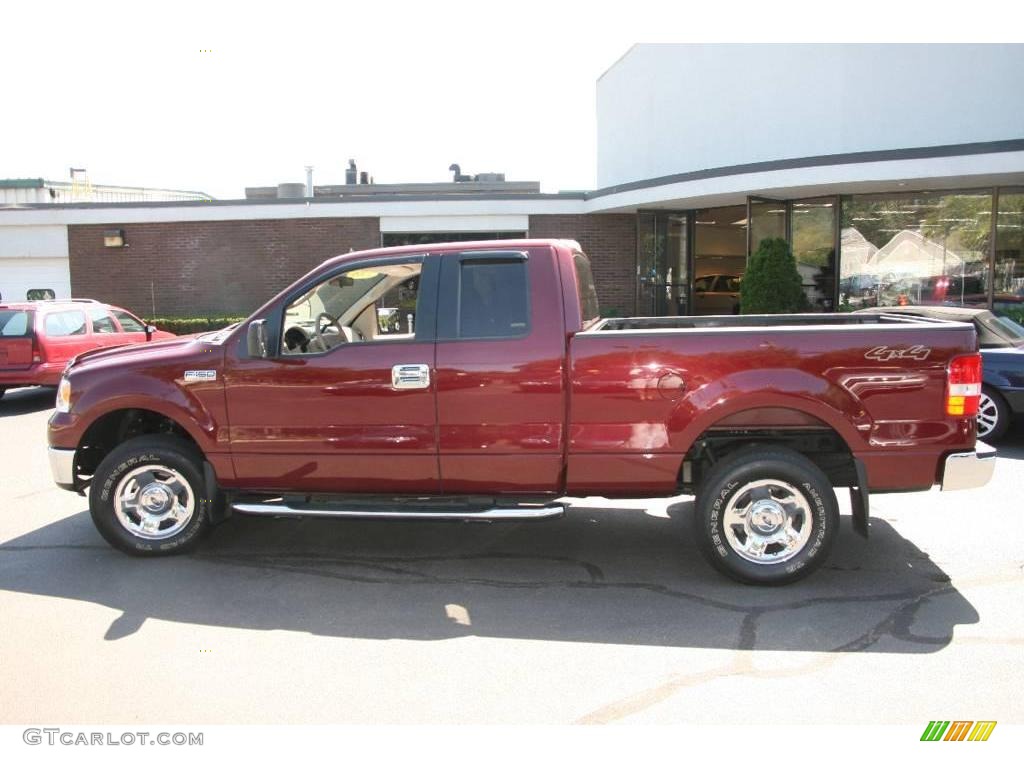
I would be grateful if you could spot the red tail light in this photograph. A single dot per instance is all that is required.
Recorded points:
(963, 385)
(37, 353)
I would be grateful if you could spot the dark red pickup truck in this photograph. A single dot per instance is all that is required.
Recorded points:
(477, 381)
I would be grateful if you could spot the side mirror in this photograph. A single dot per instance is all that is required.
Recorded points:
(256, 339)
(150, 330)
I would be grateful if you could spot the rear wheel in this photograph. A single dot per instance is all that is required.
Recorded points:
(993, 415)
(146, 497)
(766, 515)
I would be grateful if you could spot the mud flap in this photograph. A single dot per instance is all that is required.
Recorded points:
(859, 499)
(219, 510)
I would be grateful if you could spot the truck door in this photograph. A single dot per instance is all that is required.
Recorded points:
(500, 356)
(346, 401)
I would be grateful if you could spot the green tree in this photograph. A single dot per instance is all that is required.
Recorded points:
(771, 285)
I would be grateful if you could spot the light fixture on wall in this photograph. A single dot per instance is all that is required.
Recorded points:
(113, 238)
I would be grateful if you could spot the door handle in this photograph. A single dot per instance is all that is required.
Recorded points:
(410, 376)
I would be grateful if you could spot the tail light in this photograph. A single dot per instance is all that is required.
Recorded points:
(37, 353)
(963, 385)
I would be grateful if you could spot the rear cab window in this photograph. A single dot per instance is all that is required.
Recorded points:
(590, 309)
(68, 323)
(493, 298)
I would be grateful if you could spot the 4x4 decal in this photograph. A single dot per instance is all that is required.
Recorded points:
(885, 354)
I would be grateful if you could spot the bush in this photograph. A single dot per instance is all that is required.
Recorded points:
(186, 325)
(772, 285)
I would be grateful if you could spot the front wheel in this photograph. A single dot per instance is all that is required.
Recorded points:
(993, 415)
(766, 515)
(146, 497)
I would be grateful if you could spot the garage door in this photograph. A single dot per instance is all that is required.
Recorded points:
(18, 276)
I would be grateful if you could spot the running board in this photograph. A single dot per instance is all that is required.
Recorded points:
(279, 509)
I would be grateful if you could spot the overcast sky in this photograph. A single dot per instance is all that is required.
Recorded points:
(219, 96)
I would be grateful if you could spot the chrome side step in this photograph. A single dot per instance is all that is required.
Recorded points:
(281, 509)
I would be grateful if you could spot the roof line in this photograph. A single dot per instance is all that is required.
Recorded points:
(845, 158)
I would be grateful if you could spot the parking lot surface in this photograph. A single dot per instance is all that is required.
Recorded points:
(606, 615)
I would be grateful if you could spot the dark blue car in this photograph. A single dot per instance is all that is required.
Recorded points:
(1002, 353)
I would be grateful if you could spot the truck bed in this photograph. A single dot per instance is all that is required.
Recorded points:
(646, 391)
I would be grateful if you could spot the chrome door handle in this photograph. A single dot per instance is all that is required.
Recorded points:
(410, 376)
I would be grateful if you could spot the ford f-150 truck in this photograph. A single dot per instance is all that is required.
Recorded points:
(477, 381)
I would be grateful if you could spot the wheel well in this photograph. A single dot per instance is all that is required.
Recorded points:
(822, 445)
(112, 429)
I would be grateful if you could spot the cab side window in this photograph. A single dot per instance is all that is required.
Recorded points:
(493, 299)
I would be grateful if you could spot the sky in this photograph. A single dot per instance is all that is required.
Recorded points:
(217, 96)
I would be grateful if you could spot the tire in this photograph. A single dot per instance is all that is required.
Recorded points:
(3, 390)
(743, 505)
(152, 473)
(993, 415)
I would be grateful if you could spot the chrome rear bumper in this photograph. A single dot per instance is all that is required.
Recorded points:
(62, 466)
(969, 469)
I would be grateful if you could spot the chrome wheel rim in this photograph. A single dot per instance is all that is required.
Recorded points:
(988, 415)
(767, 521)
(154, 502)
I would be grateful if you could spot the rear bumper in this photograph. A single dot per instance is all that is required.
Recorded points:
(40, 375)
(62, 467)
(969, 469)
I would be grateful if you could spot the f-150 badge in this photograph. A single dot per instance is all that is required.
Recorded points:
(885, 354)
(200, 375)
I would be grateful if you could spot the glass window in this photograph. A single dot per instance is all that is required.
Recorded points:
(1008, 298)
(923, 248)
(589, 307)
(14, 322)
(661, 271)
(396, 309)
(40, 294)
(102, 322)
(493, 299)
(129, 323)
(69, 323)
(370, 303)
(813, 232)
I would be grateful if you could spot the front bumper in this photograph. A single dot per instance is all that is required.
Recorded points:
(62, 466)
(969, 469)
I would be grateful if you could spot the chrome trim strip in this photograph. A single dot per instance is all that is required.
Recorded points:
(969, 469)
(62, 465)
(497, 513)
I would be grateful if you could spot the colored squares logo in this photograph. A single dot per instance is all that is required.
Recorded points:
(958, 730)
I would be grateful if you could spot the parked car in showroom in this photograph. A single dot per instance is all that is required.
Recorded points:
(37, 338)
(717, 295)
(1002, 353)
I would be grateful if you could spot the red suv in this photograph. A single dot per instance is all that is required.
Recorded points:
(37, 338)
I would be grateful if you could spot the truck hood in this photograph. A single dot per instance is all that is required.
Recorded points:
(141, 352)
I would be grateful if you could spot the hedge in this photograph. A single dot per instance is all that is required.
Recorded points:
(185, 325)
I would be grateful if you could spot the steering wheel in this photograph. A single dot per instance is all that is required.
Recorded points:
(318, 331)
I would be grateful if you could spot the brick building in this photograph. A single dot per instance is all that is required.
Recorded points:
(883, 198)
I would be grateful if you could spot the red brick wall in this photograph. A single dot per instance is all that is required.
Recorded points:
(207, 268)
(609, 239)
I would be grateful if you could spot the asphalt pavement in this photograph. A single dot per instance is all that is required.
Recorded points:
(606, 615)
